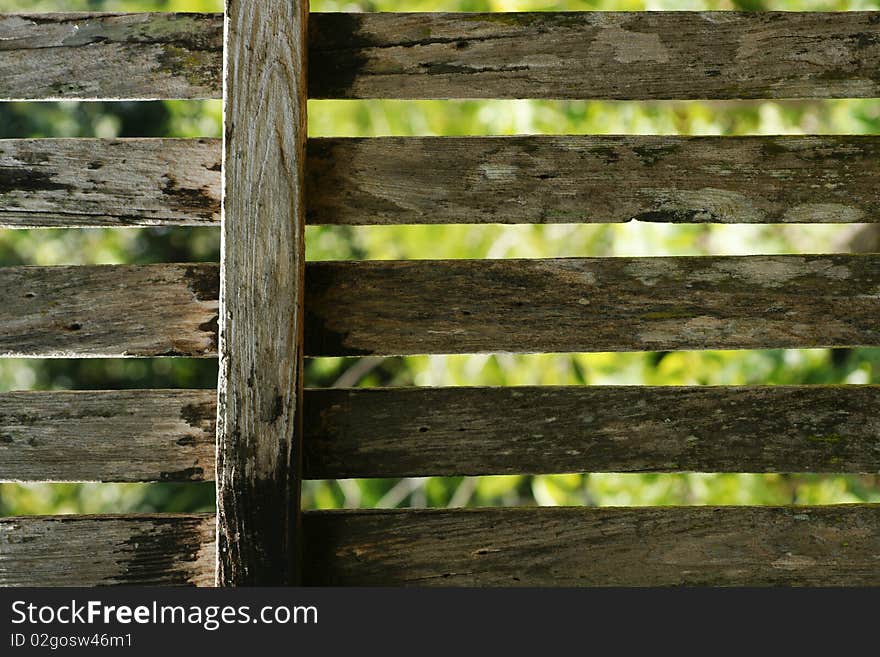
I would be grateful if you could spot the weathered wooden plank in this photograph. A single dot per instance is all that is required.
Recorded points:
(168, 435)
(110, 56)
(659, 546)
(631, 55)
(627, 55)
(109, 182)
(570, 179)
(109, 310)
(259, 406)
(389, 180)
(656, 546)
(591, 304)
(415, 432)
(132, 550)
(107, 435)
(460, 306)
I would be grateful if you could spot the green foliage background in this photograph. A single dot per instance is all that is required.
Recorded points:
(371, 118)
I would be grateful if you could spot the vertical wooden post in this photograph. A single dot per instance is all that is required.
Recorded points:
(262, 265)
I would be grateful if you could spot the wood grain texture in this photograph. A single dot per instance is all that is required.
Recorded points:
(135, 550)
(627, 55)
(107, 435)
(92, 56)
(109, 182)
(260, 384)
(572, 179)
(591, 304)
(416, 432)
(109, 311)
(656, 546)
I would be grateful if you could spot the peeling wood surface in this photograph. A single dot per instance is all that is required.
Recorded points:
(613, 55)
(109, 310)
(655, 546)
(109, 182)
(416, 432)
(93, 56)
(591, 304)
(571, 179)
(259, 405)
(132, 550)
(107, 435)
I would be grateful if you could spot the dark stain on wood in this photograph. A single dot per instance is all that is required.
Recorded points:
(338, 61)
(17, 179)
(204, 281)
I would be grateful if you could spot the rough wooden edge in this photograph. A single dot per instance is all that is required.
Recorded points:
(262, 271)
(107, 435)
(573, 546)
(103, 550)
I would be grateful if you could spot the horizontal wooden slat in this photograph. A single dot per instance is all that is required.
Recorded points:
(107, 435)
(109, 182)
(591, 304)
(135, 550)
(658, 546)
(109, 310)
(389, 180)
(460, 306)
(110, 56)
(629, 55)
(414, 432)
(570, 179)
(168, 435)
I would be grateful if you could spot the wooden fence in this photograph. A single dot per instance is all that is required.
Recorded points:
(263, 308)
